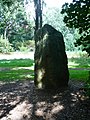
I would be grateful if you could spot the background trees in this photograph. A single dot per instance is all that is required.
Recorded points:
(54, 17)
(14, 25)
(77, 14)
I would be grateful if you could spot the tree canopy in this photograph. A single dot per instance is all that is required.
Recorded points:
(77, 14)
(55, 19)
(17, 26)
(13, 21)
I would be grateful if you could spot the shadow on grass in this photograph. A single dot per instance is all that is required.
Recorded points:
(18, 74)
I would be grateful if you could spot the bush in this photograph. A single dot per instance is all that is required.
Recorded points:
(5, 46)
(23, 48)
(26, 45)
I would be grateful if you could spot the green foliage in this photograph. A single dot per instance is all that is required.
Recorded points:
(5, 46)
(9, 3)
(13, 22)
(23, 48)
(55, 18)
(26, 45)
(77, 14)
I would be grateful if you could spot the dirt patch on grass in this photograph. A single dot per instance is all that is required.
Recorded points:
(22, 101)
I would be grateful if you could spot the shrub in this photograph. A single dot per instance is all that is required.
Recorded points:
(26, 45)
(5, 46)
(23, 48)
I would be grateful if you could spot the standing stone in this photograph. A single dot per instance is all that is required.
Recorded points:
(51, 69)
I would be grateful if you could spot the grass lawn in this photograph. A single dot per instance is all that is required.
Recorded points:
(21, 69)
(79, 68)
(80, 62)
(11, 75)
(17, 69)
(16, 63)
(79, 75)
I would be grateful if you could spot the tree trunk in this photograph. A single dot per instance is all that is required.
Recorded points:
(40, 6)
(38, 14)
(5, 33)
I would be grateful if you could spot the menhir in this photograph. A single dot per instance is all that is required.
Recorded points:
(51, 66)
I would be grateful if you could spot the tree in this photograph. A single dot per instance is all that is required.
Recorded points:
(54, 17)
(38, 14)
(77, 14)
(37, 5)
(13, 21)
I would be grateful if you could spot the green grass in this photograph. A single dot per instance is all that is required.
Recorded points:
(18, 69)
(79, 75)
(16, 72)
(82, 65)
(82, 71)
(81, 62)
(16, 63)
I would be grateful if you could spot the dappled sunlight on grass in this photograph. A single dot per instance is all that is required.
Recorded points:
(16, 69)
(16, 74)
(79, 62)
(21, 100)
(79, 68)
(27, 76)
(4, 61)
(76, 54)
(22, 69)
(72, 65)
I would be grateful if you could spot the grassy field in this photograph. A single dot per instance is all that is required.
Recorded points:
(79, 75)
(16, 63)
(79, 68)
(21, 69)
(17, 69)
